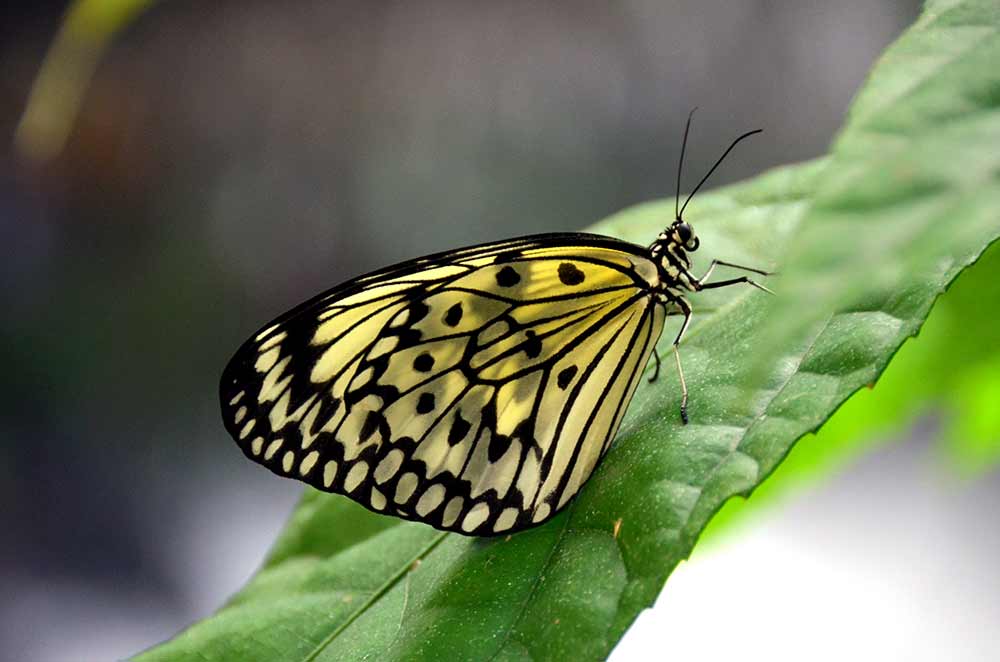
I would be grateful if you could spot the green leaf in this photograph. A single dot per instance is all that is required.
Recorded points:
(865, 241)
(938, 144)
(953, 365)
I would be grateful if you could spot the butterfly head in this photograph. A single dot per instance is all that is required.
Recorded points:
(678, 238)
(682, 235)
(671, 248)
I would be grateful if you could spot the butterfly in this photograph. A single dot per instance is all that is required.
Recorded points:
(474, 390)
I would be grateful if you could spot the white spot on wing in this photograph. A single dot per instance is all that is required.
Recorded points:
(452, 511)
(389, 465)
(383, 346)
(273, 447)
(329, 473)
(476, 516)
(405, 487)
(506, 519)
(493, 332)
(308, 462)
(267, 360)
(272, 341)
(430, 499)
(270, 388)
(288, 460)
(355, 476)
(263, 334)
(529, 479)
(309, 422)
(362, 378)
(257, 445)
(279, 414)
(378, 500)
(400, 318)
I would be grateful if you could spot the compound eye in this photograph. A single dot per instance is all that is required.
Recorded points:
(684, 232)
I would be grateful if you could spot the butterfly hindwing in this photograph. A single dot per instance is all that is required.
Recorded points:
(474, 390)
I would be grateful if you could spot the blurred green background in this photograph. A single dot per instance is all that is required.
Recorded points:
(232, 159)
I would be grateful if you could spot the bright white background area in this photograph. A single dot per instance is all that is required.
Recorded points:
(894, 559)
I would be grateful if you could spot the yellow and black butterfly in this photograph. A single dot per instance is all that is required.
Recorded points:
(474, 390)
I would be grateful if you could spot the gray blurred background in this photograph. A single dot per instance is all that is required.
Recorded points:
(234, 158)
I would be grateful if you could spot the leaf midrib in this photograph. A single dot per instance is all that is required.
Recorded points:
(376, 594)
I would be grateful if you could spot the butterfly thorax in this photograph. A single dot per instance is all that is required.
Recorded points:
(670, 254)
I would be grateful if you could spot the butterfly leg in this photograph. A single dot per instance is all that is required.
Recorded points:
(732, 281)
(656, 372)
(684, 388)
(685, 309)
(656, 354)
(716, 263)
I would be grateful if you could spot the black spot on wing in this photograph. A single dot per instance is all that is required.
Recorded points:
(459, 428)
(418, 310)
(372, 423)
(570, 274)
(389, 394)
(423, 363)
(533, 345)
(327, 408)
(499, 444)
(425, 404)
(565, 376)
(454, 315)
(508, 277)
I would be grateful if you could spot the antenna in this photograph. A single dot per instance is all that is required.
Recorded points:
(680, 164)
(705, 178)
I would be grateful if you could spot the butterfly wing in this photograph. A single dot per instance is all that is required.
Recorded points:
(474, 390)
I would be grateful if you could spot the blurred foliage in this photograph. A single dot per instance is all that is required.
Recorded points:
(85, 33)
(865, 239)
(952, 367)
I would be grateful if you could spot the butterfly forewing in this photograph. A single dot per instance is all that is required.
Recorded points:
(473, 390)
